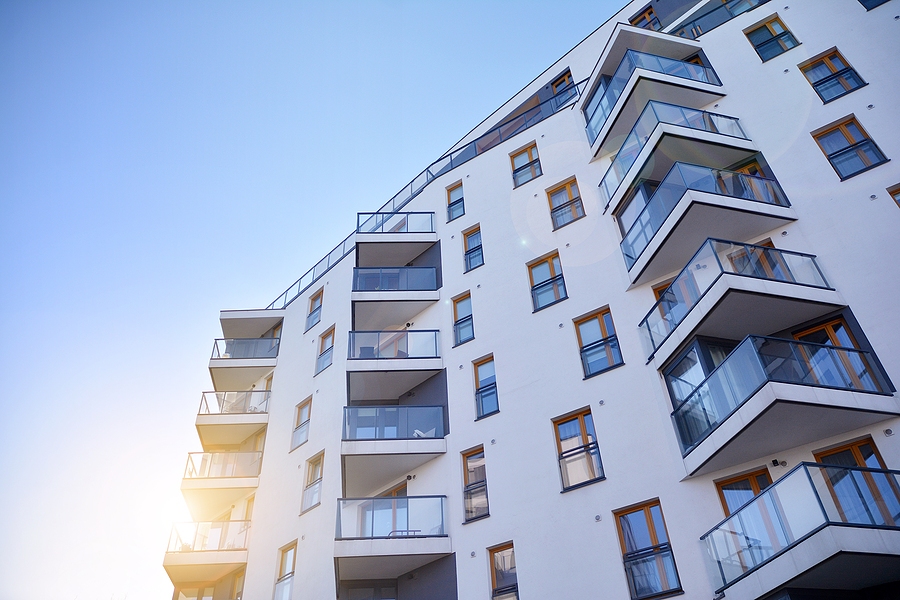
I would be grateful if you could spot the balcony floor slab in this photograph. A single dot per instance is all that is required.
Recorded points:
(222, 429)
(391, 249)
(377, 311)
(202, 567)
(370, 465)
(238, 373)
(387, 558)
(386, 383)
(208, 498)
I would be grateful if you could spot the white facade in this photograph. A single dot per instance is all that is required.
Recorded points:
(804, 533)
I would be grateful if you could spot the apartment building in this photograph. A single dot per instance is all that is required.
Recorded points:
(633, 332)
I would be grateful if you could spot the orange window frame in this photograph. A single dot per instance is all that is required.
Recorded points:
(307, 404)
(287, 551)
(326, 341)
(562, 82)
(467, 475)
(469, 232)
(548, 260)
(585, 435)
(572, 193)
(754, 485)
(843, 127)
(456, 302)
(494, 552)
(598, 315)
(315, 301)
(645, 16)
(481, 363)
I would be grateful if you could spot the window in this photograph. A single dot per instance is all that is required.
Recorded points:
(284, 583)
(315, 309)
(646, 20)
(237, 588)
(579, 455)
(485, 388)
(526, 165)
(895, 193)
(456, 206)
(475, 480)
(565, 204)
(649, 563)
(204, 593)
(693, 366)
(472, 243)
(849, 149)
(829, 368)
(771, 39)
(301, 424)
(312, 493)
(862, 497)
(737, 491)
(547, 283)
(870, 4)
(562, 83)
(326, 348)
(831, 76)
(463, 329)
(503, 573)
(598, 342)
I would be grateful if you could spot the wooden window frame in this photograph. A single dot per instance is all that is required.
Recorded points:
(894, 192)
(853, 446)
(326, 335)
(315, 461)
(306, 403)
(282, 552)
(457, 319)
(313, 317)
(480, 362)
(476, 364)
(588, 439)
(647, 16)
(491, 553)
(754, 485)
(654, 539)
(462, 199)
(573, 201)
(826, 59)
(606, 335)
(469, 485)
(767, 24)
(842, 126)
(562, 82)
(828, 328)
(467, 250)
(548, 259)
(534, 160)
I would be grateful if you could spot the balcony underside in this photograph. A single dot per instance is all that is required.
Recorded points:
(228, 429)
(248, 323)
(202, 567)
(386, 558)
(737, 306)
(238, 373)
(391, 249)
(369, 465)
(834, 558)
(377, 311)
(767, 423)
(388, 378)
(208, 498)
(701, 215)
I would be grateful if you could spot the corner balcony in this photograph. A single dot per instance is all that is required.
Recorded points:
(749, 406)
(824, 527)
(666, 132)
(386, 364)
(383, 443)
(207, 551)
(729, 290)
(213, 481)
(385, 537)
(383, 296)
(228, 418)
(691, 204)
(393, 238)
(238, 363)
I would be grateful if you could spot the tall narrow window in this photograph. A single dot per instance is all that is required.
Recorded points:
(565, 204)
(861, 497)
(485, 388)
(301, 424)
(456, 206)
(237, 587)
(284, 583)
(649, 563)
(579, 455)
(526, 165)
(326, 348)
(312, 493)
(831, 76)
(737, 491)
(474, 255)
(547, 283)
(504, 585)
(475, 491)
(597, 340)
(849, 149)
(646, 19)
(315, 309)
(771, 39)
(463, 329)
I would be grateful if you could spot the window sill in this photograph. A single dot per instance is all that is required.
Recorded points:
(578, 486)
(479, 518)
(606, 370)
(549, 305)
(490, 414)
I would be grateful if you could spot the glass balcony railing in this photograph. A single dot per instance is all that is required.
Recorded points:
(808, 498)
(718, 257)
(759, 360)
(202, 465)
(651, 572)
(709, 20)
(393, 422)
(681, 178)
(599, 106)
(486, 402)
(300, 434)
(234, 403)
(580, 465)
(323, 361)
(313, 318)
(312, 495)
(390, 517)
(395, 222)
(394, 344)
(475, 500)
(284, 588)
(394, 279)
(548, 292)
(246, 348)
(209, 536)
(601, 355)
(654, 114)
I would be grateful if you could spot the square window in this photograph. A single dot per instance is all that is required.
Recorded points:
(649, 562)
(771, 39)
(326, 349)
(504, 585)
(315, 309)
(646, 19)
(474, 255)
(735, 492)
(301, 424)
(475, 481)
(831, 76)
(486, 402)
(579, 454)
(849, 149)
(312, 493)
(526, 165)
(547, 283)
(463, 328)
(598, 343)
(456, 206)
(565, 204)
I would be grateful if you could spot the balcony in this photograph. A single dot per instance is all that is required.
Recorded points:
(206, 551)
(385, 537)
(729, 290)
(228, 418)
(383, 296)
(213, 481)
(814, 523)
(709, 20)
(249, 323)
(238, 363)
(386, 364)
(393, 238)
(689, 205)
(666, 131)
(383, 443)
(749, 406)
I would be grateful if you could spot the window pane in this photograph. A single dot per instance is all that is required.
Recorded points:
(817, 71)
(504, 568)
(833, 141)
(569, 434)
(736, 494)
(635, 531)
(463, 308)
(486, 373)
(590, 331)
(473, 239)
(659, 526)
(540, 272)
(475, 468)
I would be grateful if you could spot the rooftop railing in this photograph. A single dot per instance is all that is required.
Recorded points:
(394, 344)
(449, 161)
(234, 403)
(681, 178)
(717, 16)
(202, 465)
(400, 222)
(390, 517)
(654, 114)
(246, 348)
(393, 422)
(209, 536)
(394, 279)
(759, 360)
(718, 257)
(807, 499)
(600, 104)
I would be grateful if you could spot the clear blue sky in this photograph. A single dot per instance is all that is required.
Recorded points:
(161, 161)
